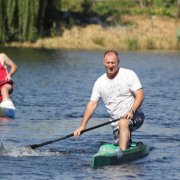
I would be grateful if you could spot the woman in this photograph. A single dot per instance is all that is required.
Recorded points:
(6, 83)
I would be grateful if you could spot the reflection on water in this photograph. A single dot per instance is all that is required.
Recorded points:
(51, 91)
(5, 124)
(5, 120)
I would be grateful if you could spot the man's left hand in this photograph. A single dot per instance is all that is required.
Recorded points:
(129, 115)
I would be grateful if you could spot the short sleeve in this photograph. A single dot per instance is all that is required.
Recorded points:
(96, 95)
(135, 83)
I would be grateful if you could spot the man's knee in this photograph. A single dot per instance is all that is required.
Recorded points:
(123, 123)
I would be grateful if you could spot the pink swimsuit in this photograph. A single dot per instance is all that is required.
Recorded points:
(3, 74)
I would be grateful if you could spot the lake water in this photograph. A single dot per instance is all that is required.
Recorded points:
(51, 90)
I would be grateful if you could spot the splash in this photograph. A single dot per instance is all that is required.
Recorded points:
(9, 149)
(12, 150)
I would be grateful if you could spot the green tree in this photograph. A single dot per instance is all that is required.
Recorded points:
(25, 20)
(178, 9)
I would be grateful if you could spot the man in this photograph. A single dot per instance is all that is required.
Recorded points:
(6, 83)
(122, 94)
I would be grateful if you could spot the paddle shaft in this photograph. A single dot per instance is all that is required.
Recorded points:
(35, 146)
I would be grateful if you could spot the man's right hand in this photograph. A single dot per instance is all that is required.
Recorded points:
(77, 132)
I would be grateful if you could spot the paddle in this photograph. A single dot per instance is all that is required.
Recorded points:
(35, 146)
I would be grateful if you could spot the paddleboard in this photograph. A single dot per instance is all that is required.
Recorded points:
(7, 112)
(110, 154)
(7, 108)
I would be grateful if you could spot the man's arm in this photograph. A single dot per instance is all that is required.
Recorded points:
(139, 97)
(90, 108)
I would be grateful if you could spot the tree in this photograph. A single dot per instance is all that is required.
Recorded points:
(178, 7)
(25, 20)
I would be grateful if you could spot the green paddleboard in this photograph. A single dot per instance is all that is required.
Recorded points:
(110, 154)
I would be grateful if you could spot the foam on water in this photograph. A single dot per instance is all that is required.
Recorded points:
(9, 149)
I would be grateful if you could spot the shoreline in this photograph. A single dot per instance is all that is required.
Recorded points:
(135, 33)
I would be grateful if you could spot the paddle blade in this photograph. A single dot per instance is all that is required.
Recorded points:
(33, 146)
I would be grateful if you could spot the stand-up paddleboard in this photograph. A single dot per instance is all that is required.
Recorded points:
(7, 108)
(110, 154)
(7, 112)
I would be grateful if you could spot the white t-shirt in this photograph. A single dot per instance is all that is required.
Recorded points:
(117, 93)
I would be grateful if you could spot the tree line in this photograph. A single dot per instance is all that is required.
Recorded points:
(28, 20)
(25, 20)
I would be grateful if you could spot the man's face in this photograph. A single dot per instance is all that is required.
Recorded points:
(111, 63)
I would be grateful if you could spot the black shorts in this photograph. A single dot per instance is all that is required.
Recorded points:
(134, 124)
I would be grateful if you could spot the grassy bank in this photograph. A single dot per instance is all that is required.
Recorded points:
(135, 33)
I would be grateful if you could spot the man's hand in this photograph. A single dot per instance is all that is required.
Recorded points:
(129, 115)
(77, 132)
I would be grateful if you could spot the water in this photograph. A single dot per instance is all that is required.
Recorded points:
(51, 91)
